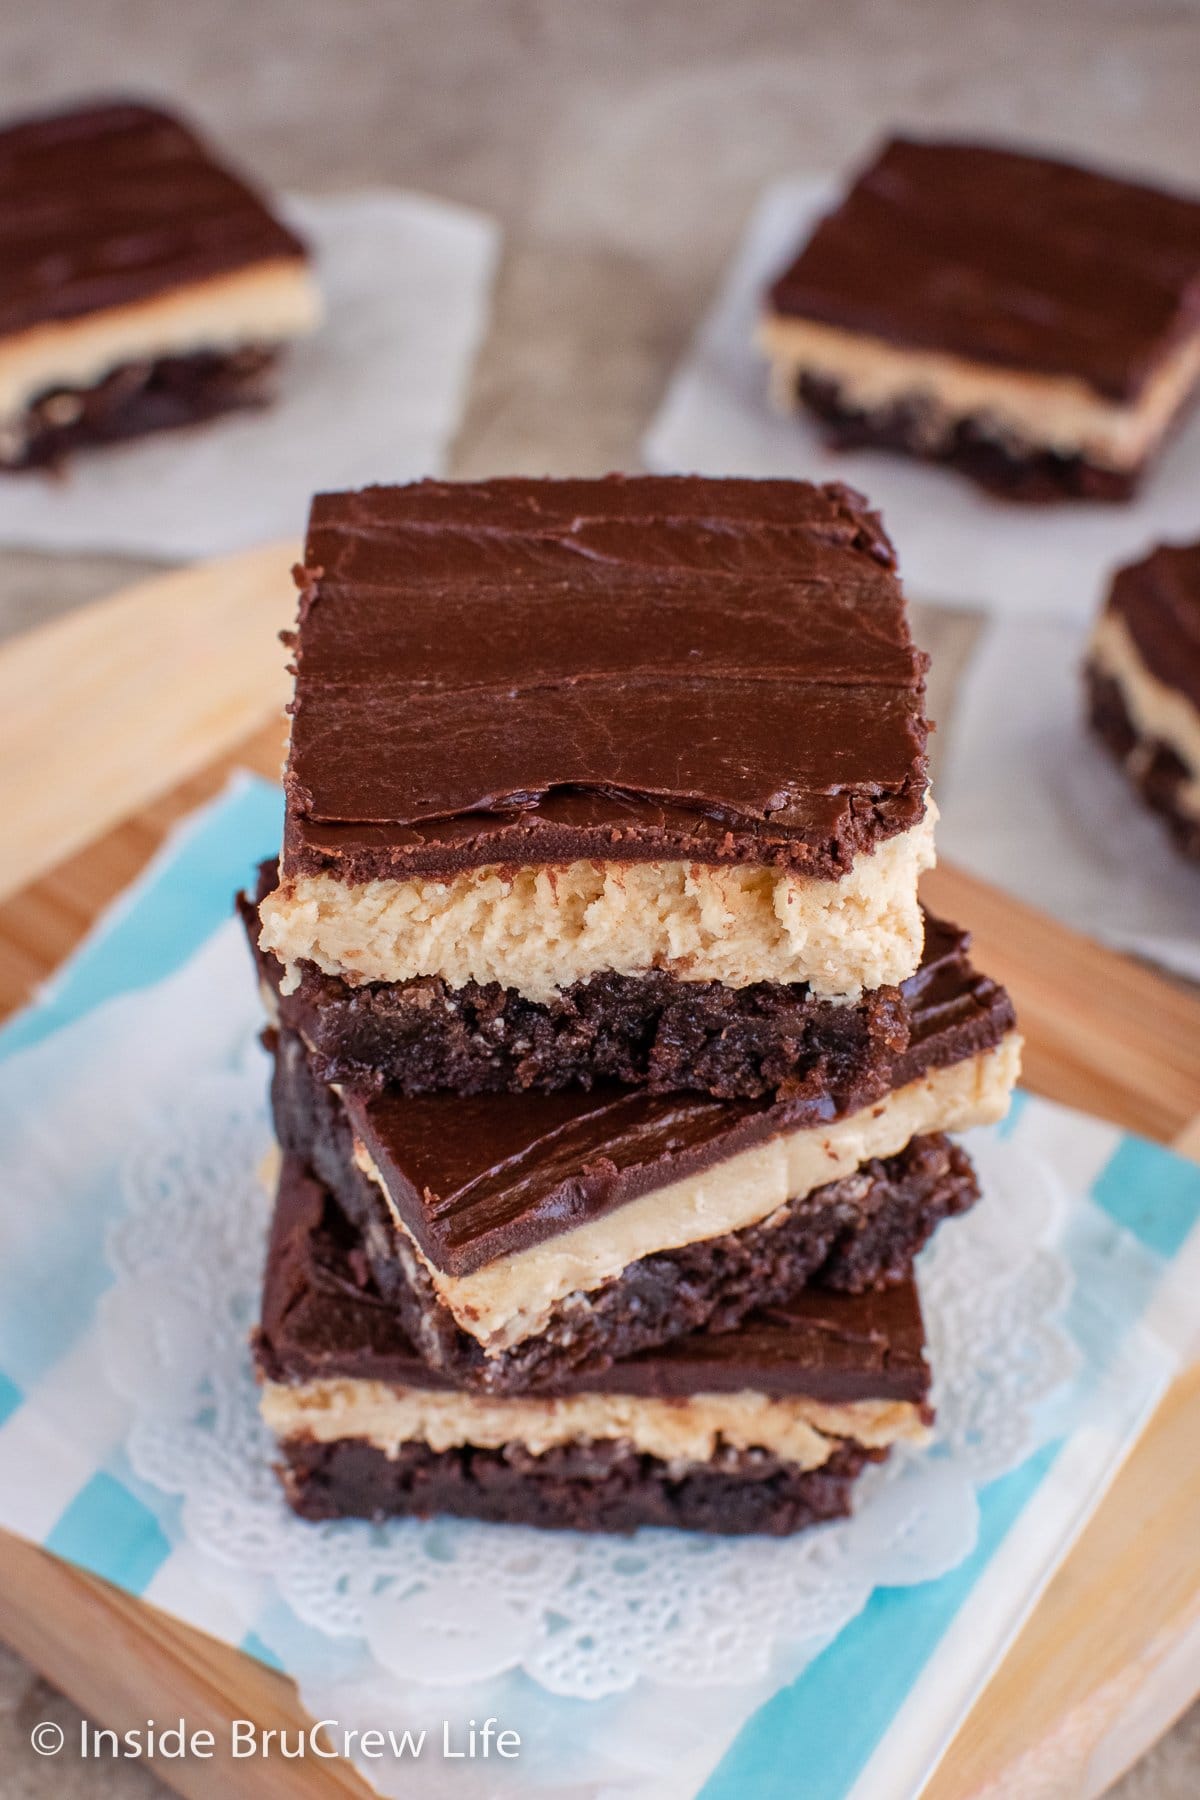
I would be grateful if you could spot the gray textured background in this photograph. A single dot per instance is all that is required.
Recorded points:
(621, 145)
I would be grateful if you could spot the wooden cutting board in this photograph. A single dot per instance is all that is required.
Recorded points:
(116, 721)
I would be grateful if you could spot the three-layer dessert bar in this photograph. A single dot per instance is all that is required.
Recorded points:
(1033, 323)
(1143, 683)
(142, 283)
(547, 733)
(760, 1430)
(523, 1236)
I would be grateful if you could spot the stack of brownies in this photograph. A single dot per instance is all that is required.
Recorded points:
(613, 1053)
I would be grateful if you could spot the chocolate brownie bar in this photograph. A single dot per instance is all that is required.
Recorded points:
(763, 1430)
(143, 285)
(550, 730)
(854, 1234)
(524, 1234)
(1030, 322)
(1142, 675)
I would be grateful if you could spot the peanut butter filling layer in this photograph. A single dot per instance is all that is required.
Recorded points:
(538, 930)
(1056, 413)
(797, 1430)
(270, 302)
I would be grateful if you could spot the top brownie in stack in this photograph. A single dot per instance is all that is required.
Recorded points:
(618, 779)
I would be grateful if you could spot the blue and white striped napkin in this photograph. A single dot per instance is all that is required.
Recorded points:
(868, 1718)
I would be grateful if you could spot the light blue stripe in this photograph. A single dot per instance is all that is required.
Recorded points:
(108, 1530)
(1152, 1193)
(1114, 1279)
(282, 1641)
(35, 1335)
(1008, 1124)
(797, 1745)
(184, 901)
(253, 1645)
(10, 1397)
(814, 1738)
(186, 896)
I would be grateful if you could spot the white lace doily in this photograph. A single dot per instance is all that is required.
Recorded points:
(583, 1615)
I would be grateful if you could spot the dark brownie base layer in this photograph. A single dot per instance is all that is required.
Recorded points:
(1034, 475)
(651, 1031)
(1155, 770)
(854, 1234)
(137, 399)
(587, 1487)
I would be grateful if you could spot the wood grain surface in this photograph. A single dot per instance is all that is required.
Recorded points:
(108, 706)
(1128, 1594)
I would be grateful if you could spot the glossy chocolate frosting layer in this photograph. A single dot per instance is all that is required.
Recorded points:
(321, 1318)
(476, 1177)
(115, 202)
(514, 672)
(1005, 258)
(1159, 600)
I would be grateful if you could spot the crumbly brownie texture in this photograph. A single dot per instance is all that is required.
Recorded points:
(653, 1031)
(970, 445)
(586, 1487)
(503, 672)
(1158, 774)
(136, 398)
(499, 1215)
(855, 1234)
(850, 1235)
